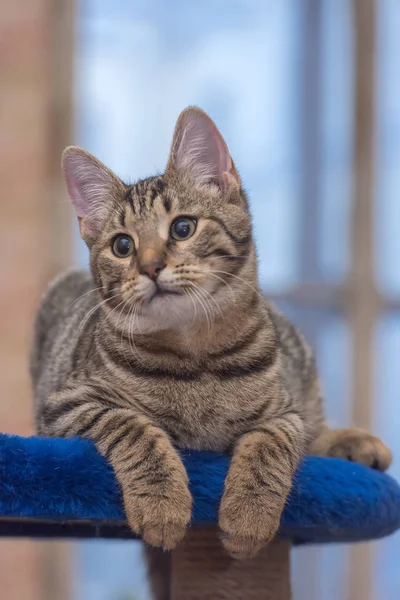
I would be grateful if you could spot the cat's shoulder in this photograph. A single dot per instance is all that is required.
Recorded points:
(71, 279)
(67, 287)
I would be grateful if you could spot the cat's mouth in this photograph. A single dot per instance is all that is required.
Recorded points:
(160, 292)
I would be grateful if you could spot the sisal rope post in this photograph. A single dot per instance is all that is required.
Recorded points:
(202, 570)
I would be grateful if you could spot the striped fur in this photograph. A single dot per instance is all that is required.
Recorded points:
(208, 364)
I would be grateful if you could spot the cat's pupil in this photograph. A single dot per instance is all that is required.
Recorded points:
(123, 245)
(182, 228)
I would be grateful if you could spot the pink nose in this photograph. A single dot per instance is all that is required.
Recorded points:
(152, 269)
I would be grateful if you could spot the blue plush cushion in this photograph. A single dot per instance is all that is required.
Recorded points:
(64, 487)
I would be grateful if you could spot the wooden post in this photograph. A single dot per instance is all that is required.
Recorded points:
(201, 570)
(363, 302)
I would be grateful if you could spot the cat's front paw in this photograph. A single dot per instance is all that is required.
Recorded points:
(248, 522)
(355, 445)
(159, 517)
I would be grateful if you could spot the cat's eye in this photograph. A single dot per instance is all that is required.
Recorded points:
(122, 246)
(183, 228)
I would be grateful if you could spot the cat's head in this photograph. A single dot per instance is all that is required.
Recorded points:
(169, 250)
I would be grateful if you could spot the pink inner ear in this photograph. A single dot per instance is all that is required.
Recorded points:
(81, 208)
(201, 150)
(89, 184)
(77, 174)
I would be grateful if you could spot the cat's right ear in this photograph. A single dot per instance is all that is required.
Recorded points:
(91, 188)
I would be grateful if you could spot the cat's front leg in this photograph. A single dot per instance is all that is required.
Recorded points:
(150, 472)
(258, 483)
(355, 445)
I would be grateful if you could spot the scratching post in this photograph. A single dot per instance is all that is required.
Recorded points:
(201, 570)
(63, 488)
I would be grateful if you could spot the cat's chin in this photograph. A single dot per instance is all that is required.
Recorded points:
(165, 311)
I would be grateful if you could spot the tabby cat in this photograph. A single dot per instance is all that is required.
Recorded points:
(169, 344)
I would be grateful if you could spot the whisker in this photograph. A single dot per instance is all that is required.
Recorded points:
(123, 328)
(112, 311)
(204, 307)
(203, 291)
(239, 279)
(233, 256)
(225, 282)
(132, 317)
(92, 311)
(87, 317)
(83, 295)
(190, 295)
(128, 324)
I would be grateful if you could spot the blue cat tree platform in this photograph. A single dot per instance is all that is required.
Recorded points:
(64, 488)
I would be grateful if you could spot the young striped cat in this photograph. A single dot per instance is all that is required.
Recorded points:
(169, 344)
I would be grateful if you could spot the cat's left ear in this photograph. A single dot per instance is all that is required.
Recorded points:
(199, 152)
(92, 188)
